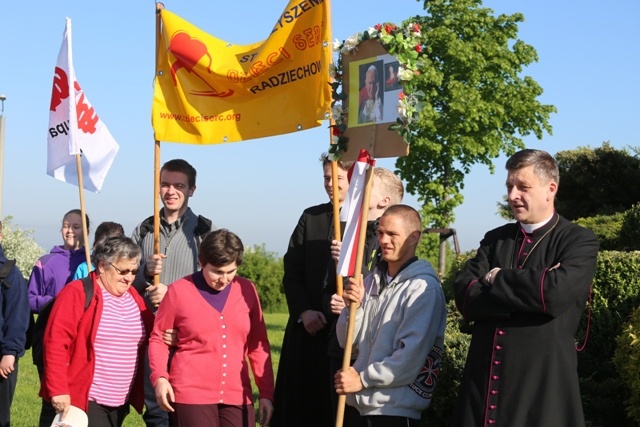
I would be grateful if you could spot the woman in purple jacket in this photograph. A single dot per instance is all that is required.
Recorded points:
(55, 269)
(52, 272)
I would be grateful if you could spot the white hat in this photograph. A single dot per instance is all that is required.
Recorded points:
(75, 418)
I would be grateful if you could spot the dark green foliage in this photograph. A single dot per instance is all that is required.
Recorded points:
(265, 269)
(457, 263)
(598, 181)
(428, 249)
(626, 361)
(616, 293)
(630, 230)
(607, 228)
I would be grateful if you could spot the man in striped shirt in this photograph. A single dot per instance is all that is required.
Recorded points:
(181, 232)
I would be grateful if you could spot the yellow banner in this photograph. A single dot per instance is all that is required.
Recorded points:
(208, 91)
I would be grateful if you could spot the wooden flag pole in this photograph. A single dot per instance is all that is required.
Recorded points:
(353, 307)
(337, 235)
(156, 159)
(85, 234)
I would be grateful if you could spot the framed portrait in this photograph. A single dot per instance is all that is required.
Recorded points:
(371, 82)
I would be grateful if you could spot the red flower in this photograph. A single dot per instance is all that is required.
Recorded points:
(418, 48)
(416, 28)
(389, 28)
(401, 96)
(378, 27)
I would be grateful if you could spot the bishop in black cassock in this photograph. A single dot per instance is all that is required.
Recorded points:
(525, 292)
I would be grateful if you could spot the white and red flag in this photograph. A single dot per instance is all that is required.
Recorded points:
(351, 213)
(75, 128)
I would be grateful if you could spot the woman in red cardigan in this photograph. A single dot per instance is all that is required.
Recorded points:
(220, 326)
(92, 357)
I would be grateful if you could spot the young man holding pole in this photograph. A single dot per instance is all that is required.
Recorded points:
(398, 329)
(181, 232)
(386, 190)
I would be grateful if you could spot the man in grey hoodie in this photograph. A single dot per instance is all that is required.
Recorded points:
(399, 329)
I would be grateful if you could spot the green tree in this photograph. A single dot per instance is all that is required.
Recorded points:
(20, 245)
(597, 181)
(475, 102)
(265, 269)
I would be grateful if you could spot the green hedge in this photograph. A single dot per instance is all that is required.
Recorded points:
(265, 269)
(607, 228)
(627, 362)
(616, 293)
(617, 232)
(630, 229)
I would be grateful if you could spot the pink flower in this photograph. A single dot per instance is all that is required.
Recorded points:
(401, 96)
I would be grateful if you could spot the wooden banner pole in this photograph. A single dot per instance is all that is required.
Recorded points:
(353, 307)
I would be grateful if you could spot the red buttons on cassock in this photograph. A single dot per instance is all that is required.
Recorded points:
(495, 377)
(494, 392)
(501, 332)
(496, 362)
(498, 347)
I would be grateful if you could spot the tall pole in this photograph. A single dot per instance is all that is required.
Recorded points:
(2, 99)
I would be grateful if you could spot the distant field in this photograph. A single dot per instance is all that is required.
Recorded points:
(26, 403)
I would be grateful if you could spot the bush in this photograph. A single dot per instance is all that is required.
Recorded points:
(630, 229)
(590, 181)
(20, 245)
(616, 293)
(265, 269)
(626, 360)
(607, 228)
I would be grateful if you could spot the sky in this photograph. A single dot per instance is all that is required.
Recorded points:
(588, 66)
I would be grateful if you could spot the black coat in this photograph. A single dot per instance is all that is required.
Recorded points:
(521, 368)
(302, 385)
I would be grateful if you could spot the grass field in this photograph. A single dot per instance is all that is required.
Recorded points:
(26, 403)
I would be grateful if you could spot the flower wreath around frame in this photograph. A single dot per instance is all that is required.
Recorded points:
(405, 43)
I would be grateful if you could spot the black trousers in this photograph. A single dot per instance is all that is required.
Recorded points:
(47, 413)
(107, 416)
(7, 389)
(387, 421)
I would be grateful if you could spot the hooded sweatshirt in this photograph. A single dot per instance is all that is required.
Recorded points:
(50, 273)
(399, 335)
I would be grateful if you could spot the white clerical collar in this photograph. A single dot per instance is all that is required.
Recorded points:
(530, 228)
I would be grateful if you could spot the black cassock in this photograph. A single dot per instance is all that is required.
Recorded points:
(521, 369)
(302, 394)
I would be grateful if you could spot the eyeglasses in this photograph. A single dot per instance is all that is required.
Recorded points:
(124, 272)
